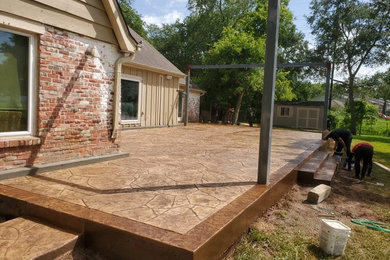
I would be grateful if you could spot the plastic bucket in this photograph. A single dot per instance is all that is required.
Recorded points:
(333, 236)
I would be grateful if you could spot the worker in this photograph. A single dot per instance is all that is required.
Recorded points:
(343, 139)
(363, 151)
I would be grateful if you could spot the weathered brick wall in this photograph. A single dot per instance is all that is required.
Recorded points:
(74, 102)
(194, 106)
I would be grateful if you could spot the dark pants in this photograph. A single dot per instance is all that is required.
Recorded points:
(365, 153)
(339, 148)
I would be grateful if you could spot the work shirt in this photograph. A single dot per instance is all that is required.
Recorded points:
(342, 133)
(360, 144)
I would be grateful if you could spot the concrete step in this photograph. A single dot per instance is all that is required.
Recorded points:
(325, 174)
(24, 238)
(307, 171)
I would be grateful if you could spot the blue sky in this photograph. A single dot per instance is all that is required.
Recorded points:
(168, 11)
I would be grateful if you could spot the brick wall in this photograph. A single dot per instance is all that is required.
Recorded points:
(74, 102)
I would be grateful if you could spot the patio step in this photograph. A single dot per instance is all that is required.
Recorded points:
(325, 174)
(318, 170)
(24, 238)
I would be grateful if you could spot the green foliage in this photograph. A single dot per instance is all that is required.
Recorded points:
(335, 117)
(132, 18)
(351, 33)
(363, 110)
(380, 84)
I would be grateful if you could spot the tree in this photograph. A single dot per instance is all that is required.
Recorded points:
(352, 33)
(364, 111)
(381, 86)
(186, 42)
(133, 18)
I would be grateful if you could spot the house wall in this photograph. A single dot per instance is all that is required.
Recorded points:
(159, 97)
(194, 105)
(291, 121)
(74, 102)
(85, 17)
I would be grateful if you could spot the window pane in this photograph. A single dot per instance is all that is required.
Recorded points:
(14, 51)
(129, 100)
(180, 109)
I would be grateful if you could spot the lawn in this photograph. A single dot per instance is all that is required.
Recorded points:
(290, 230)
(381, 147)
(380, 127)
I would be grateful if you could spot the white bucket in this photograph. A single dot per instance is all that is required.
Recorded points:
(333, 236)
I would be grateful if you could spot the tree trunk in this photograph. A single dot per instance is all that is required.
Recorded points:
(384, 106)
(352, 105)
(238, 107)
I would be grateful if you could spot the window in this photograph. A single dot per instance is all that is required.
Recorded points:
(285, 111)
(180, 107)
(16, 59)
(130, 100)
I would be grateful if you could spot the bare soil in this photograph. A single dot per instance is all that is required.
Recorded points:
(293, 216)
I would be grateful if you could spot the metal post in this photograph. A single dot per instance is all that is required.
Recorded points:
(187, 95)
(331, 87)
(267, 106)
(326, 101)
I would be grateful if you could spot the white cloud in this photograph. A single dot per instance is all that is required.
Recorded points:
(172, 3)
(164, 19)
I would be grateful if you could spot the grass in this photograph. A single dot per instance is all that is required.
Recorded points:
(298, 241)
(381, 147)
(381, 127)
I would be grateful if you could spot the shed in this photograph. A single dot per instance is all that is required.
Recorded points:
(300, 115)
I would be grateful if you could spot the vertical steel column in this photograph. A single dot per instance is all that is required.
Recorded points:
(326, 101)
(267, 105)
(187, 95)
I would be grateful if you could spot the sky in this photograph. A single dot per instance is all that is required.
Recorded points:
(168, 11)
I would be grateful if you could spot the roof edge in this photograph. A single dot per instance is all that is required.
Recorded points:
(157, 70)
(126, 41)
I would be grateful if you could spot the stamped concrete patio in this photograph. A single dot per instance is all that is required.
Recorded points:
(179, 186)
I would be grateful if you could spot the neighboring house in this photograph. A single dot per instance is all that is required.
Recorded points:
(62, 64)
(304, 115)
(150, 85)
(193, 101)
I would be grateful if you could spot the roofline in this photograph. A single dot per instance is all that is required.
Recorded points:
(157, 70)
(126, 41)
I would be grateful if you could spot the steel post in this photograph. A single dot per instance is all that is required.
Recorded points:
(267, 106)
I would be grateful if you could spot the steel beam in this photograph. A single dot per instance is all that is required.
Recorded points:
(250, 66)
(267, 106)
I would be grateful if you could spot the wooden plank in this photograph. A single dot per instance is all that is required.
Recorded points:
(80, 9)
(143, 98)
(21, 23)
(95, 3)
(154, 101)
(50, 16)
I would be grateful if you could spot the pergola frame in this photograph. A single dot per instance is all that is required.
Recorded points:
(269, 87)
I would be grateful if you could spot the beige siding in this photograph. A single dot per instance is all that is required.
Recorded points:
(311, 117)
(159, 98)
(86, 17)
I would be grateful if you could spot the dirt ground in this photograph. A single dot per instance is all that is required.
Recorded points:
(296, 223)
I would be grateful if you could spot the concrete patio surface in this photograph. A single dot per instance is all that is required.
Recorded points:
(174, 181)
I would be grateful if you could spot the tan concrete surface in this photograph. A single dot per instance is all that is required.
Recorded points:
(22, 238)
(176, 177)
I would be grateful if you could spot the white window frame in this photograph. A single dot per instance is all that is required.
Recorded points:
(290, 108)
(31, 83)
(139, 80)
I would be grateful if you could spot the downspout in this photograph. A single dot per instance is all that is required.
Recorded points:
(127, 58)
